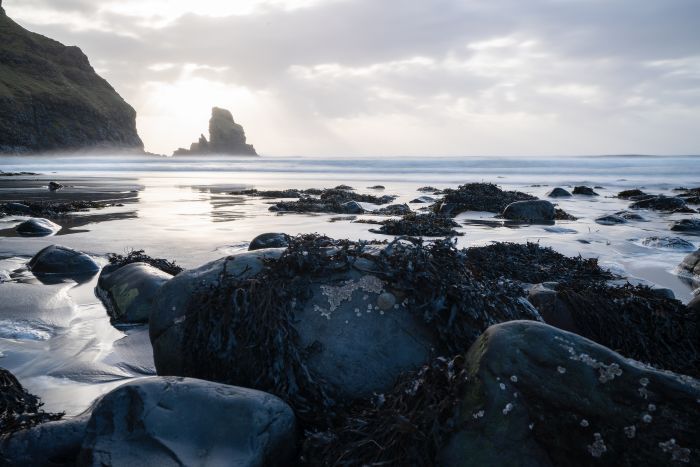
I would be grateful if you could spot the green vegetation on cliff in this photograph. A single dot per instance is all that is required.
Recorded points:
(52, 99)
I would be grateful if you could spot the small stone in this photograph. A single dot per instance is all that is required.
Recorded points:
(646, 418)
(584, 423)
(386, 301)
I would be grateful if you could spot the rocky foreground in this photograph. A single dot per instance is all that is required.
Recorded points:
(314, 351)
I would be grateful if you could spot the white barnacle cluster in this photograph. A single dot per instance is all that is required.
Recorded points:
(643, 391)
(678, 453)
(514, 378)
(605, 372)
(630, 431)
(584, 423)
(338, 294)
(598, 447)
(646, 418)
(478, 415)
(561, 370)
(507, 409)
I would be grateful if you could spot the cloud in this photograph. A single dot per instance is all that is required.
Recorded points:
(401, 76)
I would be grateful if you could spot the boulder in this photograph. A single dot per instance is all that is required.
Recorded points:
(181, 421)
(61, 260)
(49, 444)
(632, 194)
(694, 306)
(532, 210)
(558, 193)
(269, 240)
(611, 219)
(166, 322)
(584, 190)
(128, 291)
(54, 186)
(691, 264)
(686, 225)
(539, 396)
(423, 200)
(37, 227)
(661, 203)
(394, 210)
(668, 243)
(17, 208)
(552, 309)
(630, 216)
(352, 207)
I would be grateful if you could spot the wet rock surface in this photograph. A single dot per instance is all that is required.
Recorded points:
(520, 375)
(181, 421)
(662, 203)
(668, 243)
(559, 193)
(610, 219)
(52, 443)
(632, 194)
(530, 211)
(691, 264)
(477, 197)
(128, 291)
(686, 225)
(61, 260)
(393, 210)
(269, 240)
(37, 227)
(584, 190)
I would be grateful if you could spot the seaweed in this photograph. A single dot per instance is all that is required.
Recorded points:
(477, 197)
(627, 194)
(18, 408)
(139, 256)
(332, 200)
(52, 209)
(419, 225)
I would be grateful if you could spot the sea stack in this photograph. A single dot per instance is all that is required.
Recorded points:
(51, 99)
(225, 137)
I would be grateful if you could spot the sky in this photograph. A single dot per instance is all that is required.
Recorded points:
(398, 77)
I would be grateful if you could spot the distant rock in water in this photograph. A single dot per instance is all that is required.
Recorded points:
(51, 99)
(225, 137)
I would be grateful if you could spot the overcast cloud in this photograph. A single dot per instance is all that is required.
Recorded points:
(408, 77)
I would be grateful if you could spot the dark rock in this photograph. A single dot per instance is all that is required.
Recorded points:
(423, 199)
(61, 260)
(694, 306)
(686, 225)
(584, 190)
(344, 187)
(569, 401)
(553, 311)
(128, 291)
(628, 194)
(225, 137)
(376, 187)
(630, 216)
(428, 189)
(331, 201)
(393, 210)
(611, 219)
(660, 203)
(668, 243)
(352, 207)
(17, 208)
(530, 211)
(37, 228)
(559, 193)
(180, 421)
(477, 197)
(691, 264)
(54, 443)
(269, 240)
(53, 186)
(52, 99)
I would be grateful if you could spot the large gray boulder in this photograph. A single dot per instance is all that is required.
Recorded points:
(37, 227)
(128, 292)
(353, 318)
(691, 226)
(559, 193)
(61, 260)
(539, 396)
(48, 444)
(186, 422)
(661, 203)
(166, 321)
(537, 210)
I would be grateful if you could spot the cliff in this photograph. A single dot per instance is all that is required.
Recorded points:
(51, 99)
(225, 137)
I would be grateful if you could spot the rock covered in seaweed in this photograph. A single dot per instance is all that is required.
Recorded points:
(559, 193)
(662, 203)
(477, 197)
(18, 408)
(334, 200)
(584, 190)
(691, 226)
(419, 225)
(525, 384)
(344, 335)
(181, 421)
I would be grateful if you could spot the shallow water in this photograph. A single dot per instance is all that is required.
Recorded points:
(57, 337)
